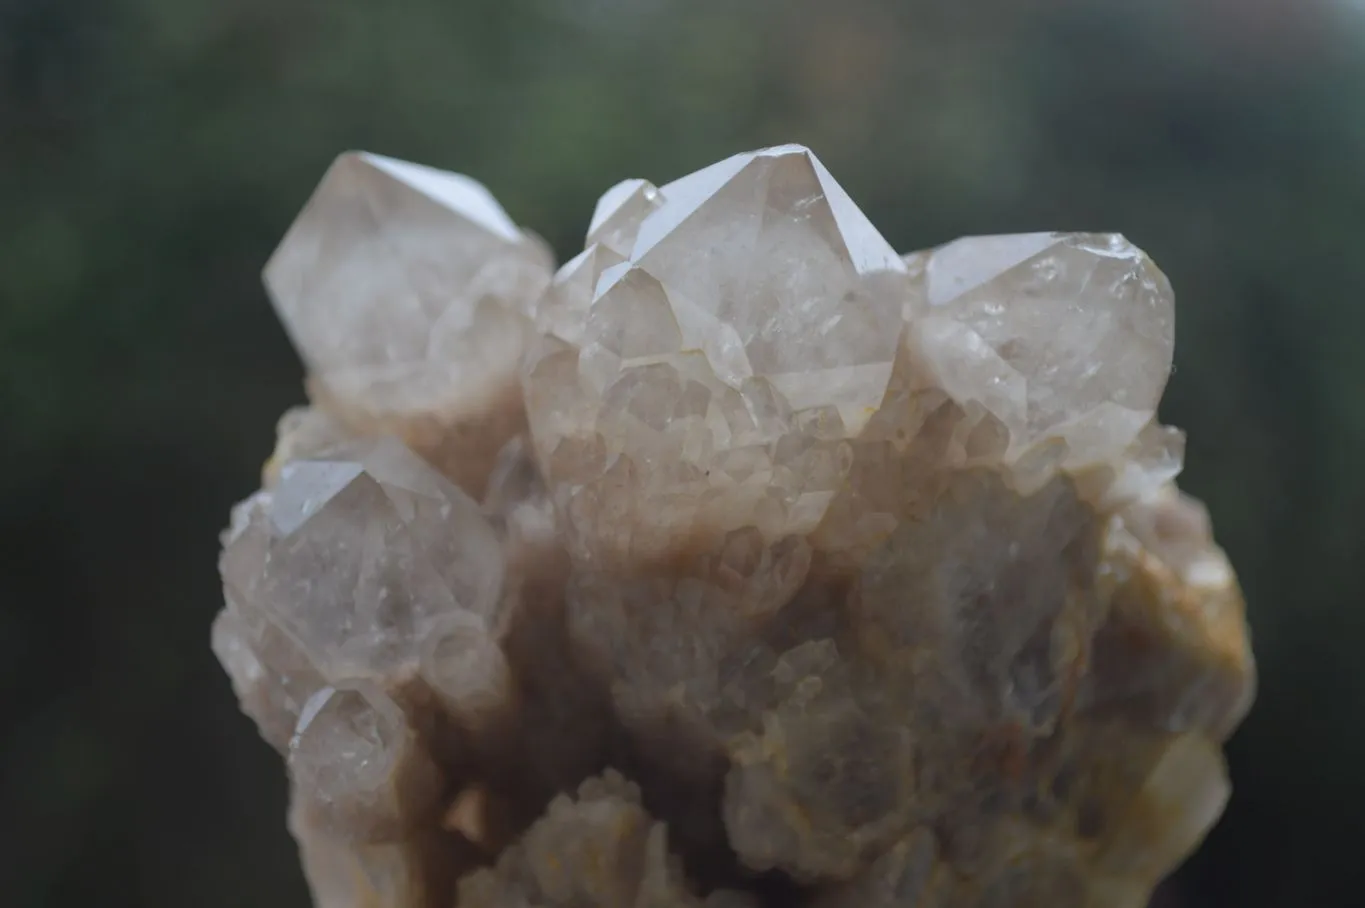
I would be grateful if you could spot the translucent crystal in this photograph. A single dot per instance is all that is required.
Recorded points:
(794, 284)
(754, 291)
(465, 666)
(563, 311)
(356, 556)
(303, 432)
(359, 767)
(819, 575)
(1058, 335)
(616, 220)
(401, 285)
(270, 675)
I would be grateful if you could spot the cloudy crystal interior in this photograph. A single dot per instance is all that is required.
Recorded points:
(742, 561)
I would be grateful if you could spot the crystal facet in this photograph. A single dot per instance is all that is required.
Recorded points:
(755, 296)
(800, 572)
(354, 558)
(1075, 331)
(356, 761)
(407, 291)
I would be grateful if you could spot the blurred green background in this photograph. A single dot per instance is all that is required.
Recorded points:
(152, 152)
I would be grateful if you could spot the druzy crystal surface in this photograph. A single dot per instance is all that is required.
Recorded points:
(743, 561)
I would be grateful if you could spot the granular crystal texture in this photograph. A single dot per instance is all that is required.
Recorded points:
(743, 563)
(353, 557)
(598, 848)
(719, 369)
(355, 758)
(1065, 336)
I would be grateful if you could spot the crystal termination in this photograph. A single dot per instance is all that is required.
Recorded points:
(742, 561)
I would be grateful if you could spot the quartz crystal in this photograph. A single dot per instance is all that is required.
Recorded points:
(355, 756)
(353, 557)
(407, 291)
(742, 562)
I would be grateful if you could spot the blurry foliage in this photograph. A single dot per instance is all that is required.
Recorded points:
(153, 151)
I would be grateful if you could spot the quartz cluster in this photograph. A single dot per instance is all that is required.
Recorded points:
(742, 561)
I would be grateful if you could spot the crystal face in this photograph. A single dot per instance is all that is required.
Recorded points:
(407, 292)
(353, 559)
(356, 760)
(742, 562)
(1076, 331)
(399, 283)
(754, 299)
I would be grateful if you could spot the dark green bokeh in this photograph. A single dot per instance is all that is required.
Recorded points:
(153, 151)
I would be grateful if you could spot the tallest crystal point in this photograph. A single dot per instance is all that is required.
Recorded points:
(793, 289)
(751, 331)
(1082, 324)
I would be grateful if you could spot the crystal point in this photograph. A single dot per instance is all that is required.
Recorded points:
(758, 269)
(361, 552)
(1085, 320)
(407, 291)
(618, 215)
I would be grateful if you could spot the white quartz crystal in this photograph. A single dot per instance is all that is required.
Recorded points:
(402, 285)
(353, 558)
(357, 765)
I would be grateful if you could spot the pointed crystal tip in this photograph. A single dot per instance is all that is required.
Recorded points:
(416, 549)
(405, 287)
(850, 558)
(754, 285)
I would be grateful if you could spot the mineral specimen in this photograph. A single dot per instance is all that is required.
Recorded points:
(743, 562)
